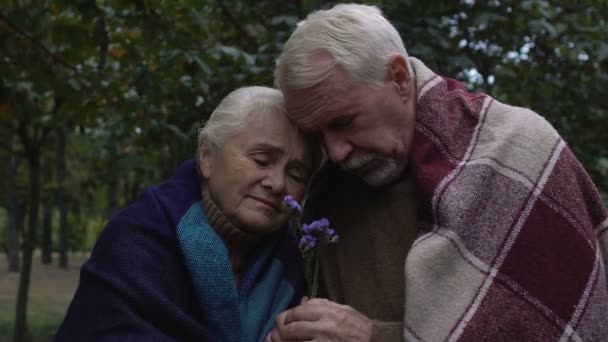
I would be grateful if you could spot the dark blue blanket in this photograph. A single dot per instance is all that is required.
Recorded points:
(138, 286)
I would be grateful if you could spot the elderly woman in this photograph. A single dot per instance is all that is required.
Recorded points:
(207, 255)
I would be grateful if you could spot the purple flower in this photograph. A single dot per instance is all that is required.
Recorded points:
(313, 230)
(316, 226)
(311, 235)
(307, 242)
(307, 229)
(331, 235)
(292, 203)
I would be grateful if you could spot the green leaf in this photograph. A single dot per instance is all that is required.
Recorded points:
(601, 52)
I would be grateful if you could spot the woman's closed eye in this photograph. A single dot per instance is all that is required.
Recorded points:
(298, 175)
(261, 159)
(264, 158)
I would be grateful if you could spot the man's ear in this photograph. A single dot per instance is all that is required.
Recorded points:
(204, 160)
(399, 76)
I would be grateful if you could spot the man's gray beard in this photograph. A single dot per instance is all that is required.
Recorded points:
(388, 172)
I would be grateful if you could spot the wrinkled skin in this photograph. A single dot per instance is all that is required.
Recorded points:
(321, 320)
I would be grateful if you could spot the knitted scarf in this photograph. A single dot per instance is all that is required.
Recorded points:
(235, 314)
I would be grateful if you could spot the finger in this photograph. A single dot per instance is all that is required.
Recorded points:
(323, 301)
(299, 331)
(313, 310)
(273, 336)
(329, 304)
(302, 313)
(304, 300)
(279, 321)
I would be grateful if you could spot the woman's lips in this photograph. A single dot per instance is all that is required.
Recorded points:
(267, 202)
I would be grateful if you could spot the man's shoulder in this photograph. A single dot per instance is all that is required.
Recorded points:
(330, 178)
(335, 188)
(518, 122)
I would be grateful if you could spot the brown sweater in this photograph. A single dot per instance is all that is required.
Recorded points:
(239, 243)
(365, 269)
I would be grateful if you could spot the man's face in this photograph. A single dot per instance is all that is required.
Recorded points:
(367, 131)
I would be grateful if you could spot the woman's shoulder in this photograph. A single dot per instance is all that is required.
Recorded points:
(160, 208)
(137, 254)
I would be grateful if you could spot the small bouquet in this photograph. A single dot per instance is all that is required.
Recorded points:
(310, 235)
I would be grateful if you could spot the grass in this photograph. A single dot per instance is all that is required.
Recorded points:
(51, 290)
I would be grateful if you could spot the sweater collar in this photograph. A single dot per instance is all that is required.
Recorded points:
(238, 242)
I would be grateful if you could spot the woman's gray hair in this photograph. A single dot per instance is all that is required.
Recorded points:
(238, 109)
(357, 37)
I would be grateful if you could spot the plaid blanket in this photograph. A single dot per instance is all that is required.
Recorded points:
(512, 240)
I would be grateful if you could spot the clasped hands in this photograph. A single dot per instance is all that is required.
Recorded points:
(321, 320)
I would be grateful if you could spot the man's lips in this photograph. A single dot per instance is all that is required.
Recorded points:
(367, 168)
(267, 202)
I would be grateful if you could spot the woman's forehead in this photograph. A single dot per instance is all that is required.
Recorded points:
(272, 124)
(274, 132)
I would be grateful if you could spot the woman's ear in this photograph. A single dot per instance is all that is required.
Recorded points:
(204, 160)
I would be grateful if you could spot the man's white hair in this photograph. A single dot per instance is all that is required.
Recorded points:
(358, 38)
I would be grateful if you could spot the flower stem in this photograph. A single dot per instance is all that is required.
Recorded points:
(315, 275)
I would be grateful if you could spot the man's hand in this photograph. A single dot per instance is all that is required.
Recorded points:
(321, 320)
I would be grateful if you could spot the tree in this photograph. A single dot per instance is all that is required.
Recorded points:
(134, 77)
(114, 91)
(15, 211)
(548, 56)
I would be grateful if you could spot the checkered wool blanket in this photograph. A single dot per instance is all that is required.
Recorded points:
(512, 243)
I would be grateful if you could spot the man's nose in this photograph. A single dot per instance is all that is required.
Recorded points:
(337, 147)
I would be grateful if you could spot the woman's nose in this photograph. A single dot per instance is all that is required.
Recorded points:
(275, 181)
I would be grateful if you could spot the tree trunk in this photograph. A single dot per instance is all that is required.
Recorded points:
(112, 183)
(47, 234)
(12, 231)
(130, 191)
(135, 191)
(29, 241)
(167, 167)
(46, 244)
(62, 197)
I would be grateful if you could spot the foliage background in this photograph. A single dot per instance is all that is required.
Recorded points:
(100, 98)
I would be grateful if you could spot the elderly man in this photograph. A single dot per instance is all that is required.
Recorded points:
(460, 217)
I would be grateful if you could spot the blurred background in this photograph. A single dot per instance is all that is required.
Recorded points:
(99, 99)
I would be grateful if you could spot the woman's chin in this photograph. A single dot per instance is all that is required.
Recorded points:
(259, 223)
(258, 219)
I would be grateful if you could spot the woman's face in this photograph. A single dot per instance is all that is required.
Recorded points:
(248, 176)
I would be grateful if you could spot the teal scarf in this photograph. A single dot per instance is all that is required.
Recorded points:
(245, 313)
